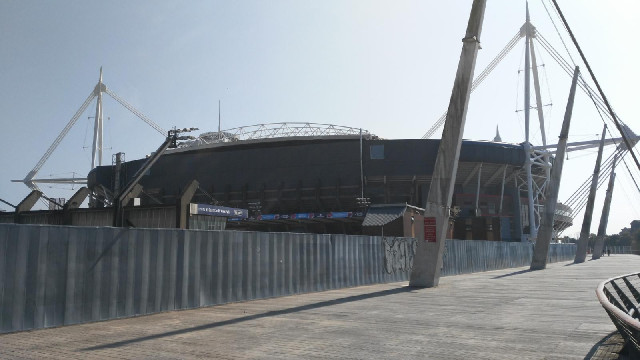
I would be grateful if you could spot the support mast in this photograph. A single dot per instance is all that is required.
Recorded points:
(541, 250)
(604, 218)
(583, 242)
(527, 144)
(427, 261)
(97, 126)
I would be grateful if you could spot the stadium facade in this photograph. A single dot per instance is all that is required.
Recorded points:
(325, 183)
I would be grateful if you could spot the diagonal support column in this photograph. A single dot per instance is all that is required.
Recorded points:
(604, 218)
(541, 250)
(583, 243)
(427, 261)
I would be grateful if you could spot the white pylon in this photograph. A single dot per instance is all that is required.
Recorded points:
(97, 126)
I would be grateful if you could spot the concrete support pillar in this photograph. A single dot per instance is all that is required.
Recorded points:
(583, 243)
(26, 204)
(182, 205)
(74, 202)
(118, 218)
(427, 262)
(541, 249)
(604, 218)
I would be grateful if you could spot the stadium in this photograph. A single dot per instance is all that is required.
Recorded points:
(306, 177)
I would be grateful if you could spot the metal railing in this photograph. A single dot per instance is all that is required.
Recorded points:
(620, 298)
(275, 130)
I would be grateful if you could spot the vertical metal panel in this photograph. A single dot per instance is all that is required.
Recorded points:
(296, 265)
(121, 247)
(207, 274)
(218, 255)
(289, 262)
(20, 278)
(377, 264)
(182, 273)
(129, 307)
(357, 244)
(238, 267)
(280, 258)
(6, 310)
(324, 258)
(331, 262)
(160, 271)
(145, 239)
(105, 280)
(114, 257)
(263, 265)
(302, 255)
(230, 270)
(74, 279)
(31, 285)
(247, 275)
(43, 241)
(138, 242)
(194, 273)
(171, 263)
(152, 255)
(56, 276)
(344, 261)
(5, 230)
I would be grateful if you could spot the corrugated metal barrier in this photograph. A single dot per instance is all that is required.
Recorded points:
(59, 275)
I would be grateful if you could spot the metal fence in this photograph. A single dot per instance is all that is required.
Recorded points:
(59, 275)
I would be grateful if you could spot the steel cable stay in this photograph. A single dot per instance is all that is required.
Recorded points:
(28, 179)
(578, 200)
(582, 82)
(595, 80)
(483, 75)
(586, 184)
(135, 111)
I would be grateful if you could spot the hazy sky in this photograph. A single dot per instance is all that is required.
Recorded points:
(385, 66)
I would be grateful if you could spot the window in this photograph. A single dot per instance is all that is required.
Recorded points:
(376, 152)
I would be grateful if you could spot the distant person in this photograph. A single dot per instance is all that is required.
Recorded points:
(608, 252)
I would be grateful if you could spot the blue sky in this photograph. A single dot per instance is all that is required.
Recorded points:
(384, 66)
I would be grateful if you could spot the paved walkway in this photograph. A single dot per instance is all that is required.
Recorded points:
(507, 314)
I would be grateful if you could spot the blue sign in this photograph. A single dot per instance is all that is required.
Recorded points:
(205, 209)
(339, 215)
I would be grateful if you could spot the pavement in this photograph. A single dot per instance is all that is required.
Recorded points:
(505, 314)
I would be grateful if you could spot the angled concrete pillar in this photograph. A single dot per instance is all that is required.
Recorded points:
(427, 262)
(583, 242)
(604, 218)
(541, 249)
(118, 218)
(182, 205)
(26, 204)
(74, 202)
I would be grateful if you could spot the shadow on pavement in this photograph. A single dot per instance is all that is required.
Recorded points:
(296, 309)
(608, 348)
(513, 274)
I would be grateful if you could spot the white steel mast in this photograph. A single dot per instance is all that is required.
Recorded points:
(527, 144)
(97, 127)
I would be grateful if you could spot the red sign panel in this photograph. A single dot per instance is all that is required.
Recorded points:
(430, 229)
